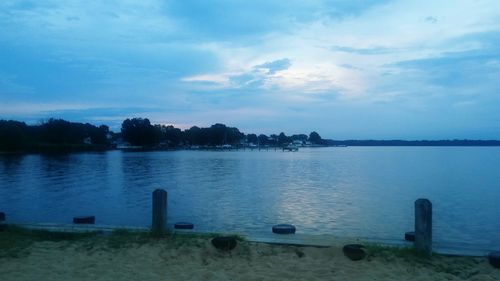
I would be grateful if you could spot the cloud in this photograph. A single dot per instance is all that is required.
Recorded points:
(274, 66)
(431, 19)
(363, 51)
(247, 21)
(310, 62)
(254, 78)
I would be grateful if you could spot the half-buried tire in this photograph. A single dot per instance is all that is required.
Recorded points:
(410, 236)
(84, 220)
(225, 243)
(354, 252)
(183, 225)
(494, 259)
(284, 229)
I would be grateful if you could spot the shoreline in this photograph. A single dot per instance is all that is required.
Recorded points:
(89, 149)
(297, 239)
(124, 255)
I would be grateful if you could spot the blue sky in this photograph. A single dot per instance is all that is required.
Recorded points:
(420, 69)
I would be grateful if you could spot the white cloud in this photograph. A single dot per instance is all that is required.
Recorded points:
(268, 55)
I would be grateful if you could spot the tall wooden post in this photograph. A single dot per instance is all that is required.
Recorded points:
(159, 224)
(423, 226)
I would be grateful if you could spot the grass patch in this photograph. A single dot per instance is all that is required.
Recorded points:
(15, 241)
(390, 253)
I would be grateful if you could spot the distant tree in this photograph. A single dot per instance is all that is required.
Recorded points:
(98, 135)
(193, 136)
(173, 136)
(139, 131)
(252, 138)
(315, 138)
(263, 139)
(217, 134)
(283, 139)
(58, 131)
(299, 137)
(234, 136)
(273, 139)
(13, 135)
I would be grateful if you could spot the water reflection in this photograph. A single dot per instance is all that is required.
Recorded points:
(366, 192)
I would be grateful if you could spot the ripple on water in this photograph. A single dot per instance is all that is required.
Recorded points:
(355, 191)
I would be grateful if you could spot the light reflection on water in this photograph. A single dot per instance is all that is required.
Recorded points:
(354, 191)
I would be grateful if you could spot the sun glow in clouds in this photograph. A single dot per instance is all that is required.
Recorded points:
(290, 66)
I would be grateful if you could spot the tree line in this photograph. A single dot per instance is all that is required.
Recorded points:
(54, 134)
(140, 132)
(62, 135)
(59, 134)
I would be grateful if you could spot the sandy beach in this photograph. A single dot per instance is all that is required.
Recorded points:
(196, 259)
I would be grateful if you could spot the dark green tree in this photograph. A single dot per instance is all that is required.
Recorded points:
(252, 138)
(193, 136)
(171, 135)
(13, 135)
(139, 131)
(315, 138)
(263, 139)
(300, 137)
(283, 139)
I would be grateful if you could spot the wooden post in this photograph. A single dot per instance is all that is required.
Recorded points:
(159, 211)
(423, 226)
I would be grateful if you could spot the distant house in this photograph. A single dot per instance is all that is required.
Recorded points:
(298, 142)
(271, 139)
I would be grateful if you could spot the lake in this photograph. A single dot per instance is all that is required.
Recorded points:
(342, 191)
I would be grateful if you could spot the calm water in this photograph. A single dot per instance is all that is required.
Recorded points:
(353, 191)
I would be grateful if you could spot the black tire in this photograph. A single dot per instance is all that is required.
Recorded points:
(2, 216)
(183, 225)
(84, 220)
(410, 236)
(225, 243)
(354, 252)
(284, 229)
(494, 259)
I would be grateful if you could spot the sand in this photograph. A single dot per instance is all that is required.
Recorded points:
(197, 259)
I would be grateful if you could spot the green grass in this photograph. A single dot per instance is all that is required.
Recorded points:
(390, 253)
(16, 241)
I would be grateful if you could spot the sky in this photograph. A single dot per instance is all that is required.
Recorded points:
(368, 69)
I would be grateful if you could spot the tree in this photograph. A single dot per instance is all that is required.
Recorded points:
(139, 131)
(98, 135)
(13, 135)
(263, 139)
(193, 135)
(170, 134)
(299, 137)
(283, 139)
(218, 134)
(273, 139)
(58, 131)
(315, 138)
(252, 138)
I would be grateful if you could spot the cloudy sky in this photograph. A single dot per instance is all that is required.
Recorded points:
(422, 69)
